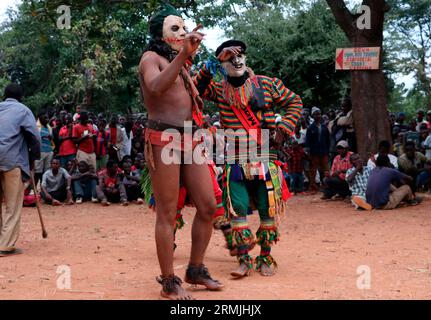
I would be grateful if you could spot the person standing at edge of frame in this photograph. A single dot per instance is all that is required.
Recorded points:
(19, 148)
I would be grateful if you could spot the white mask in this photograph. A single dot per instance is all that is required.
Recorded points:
(174, 32)
(235, 67)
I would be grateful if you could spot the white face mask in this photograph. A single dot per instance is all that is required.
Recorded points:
(235, 67)
(174, 32)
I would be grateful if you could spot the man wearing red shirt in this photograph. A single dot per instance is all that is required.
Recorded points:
(296, 167)
(101, 142)
(83, 133)
(67, 144)
(111, 187)
(335, 182)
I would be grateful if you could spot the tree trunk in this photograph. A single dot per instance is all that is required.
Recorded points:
(369, 98)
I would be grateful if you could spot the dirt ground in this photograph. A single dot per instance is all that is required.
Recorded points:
(111, 254)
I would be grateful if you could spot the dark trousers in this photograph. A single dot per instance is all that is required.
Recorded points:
(133, 192)
(65, 159)
(318, 162)
(334, 186)
(296, 182)
(423, 179)
(85, 188)
(60, 195)
(116, 194)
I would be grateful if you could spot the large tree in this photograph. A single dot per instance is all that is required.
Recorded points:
(369, 95)
(298, 49)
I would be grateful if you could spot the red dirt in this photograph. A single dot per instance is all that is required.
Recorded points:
(111, 253)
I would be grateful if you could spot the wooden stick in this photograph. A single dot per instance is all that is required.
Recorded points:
(44, 233)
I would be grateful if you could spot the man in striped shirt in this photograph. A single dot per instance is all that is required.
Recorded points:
(247, 104)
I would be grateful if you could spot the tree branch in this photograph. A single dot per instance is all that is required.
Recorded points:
(343, 16)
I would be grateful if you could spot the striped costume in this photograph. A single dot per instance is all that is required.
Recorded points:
(250, 183)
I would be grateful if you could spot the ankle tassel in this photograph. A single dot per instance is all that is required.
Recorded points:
(265, 260)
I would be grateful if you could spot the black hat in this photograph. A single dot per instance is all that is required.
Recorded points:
(231, 43)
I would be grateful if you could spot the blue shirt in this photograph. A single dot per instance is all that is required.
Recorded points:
(16, 120)
(379, 185)
(317, 139)
(45, 137)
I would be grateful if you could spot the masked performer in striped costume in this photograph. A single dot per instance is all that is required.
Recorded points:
(247, 104)
(171, 98)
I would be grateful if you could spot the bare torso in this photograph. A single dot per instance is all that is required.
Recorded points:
(174, 106)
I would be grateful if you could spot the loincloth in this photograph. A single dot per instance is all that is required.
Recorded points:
(175, 139)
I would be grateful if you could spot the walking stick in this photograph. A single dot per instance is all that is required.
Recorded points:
(44, 233)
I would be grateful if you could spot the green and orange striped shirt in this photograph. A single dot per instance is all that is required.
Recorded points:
(270, 96)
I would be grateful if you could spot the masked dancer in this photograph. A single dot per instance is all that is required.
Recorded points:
(171, 98)
(247, 104)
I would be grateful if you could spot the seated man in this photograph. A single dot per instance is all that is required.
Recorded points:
(381, 193)
(384, 150)
(84, 183)
(110, 187)
(56, 185)
(424, 178)
(411, 162)
(138, 164)
(335, 181)
(357, 178)
(131, 181)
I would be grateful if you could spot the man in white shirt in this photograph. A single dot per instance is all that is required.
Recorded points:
(427, 146)
(384, 149)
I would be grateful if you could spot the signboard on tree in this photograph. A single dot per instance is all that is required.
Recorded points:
(366, 58)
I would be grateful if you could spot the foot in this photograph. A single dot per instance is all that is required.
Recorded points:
(94, 200)
(69, 202)
(79, 200)
(140, 201)
(10, 252)
(56, 203)
(171, 288)
(124, 203)
(361, 203)
(339, 197)
(266, 270)
(105, 203)
(200, 275)
(310, 193)
(414, 202)
(325, 198)
(242, 271)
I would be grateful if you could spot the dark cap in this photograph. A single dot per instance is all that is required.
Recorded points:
(231, 43)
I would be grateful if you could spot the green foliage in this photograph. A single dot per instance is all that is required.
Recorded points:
(409, 46)
(94, 63)
(299, 48)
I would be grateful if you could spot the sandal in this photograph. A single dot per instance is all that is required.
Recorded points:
(171, 285)
(200, 275)
(10, 252)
